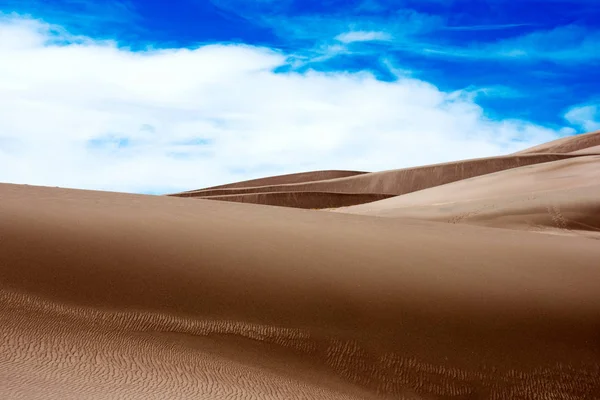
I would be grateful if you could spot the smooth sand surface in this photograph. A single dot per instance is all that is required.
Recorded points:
(564, 174)
(587, 151)
(567, 144)
(388, 183)
(571, 212)
(109, 295)
(300, 177)
(312, 200)
(559, 197)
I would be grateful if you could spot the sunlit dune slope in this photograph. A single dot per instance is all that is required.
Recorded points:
(562, 196)
(568, 144)
(300, 177)
(391, 183)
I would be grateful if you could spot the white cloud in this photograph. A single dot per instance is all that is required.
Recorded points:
(92, 115)
(568, 44)
(586, 117)
(363, 36)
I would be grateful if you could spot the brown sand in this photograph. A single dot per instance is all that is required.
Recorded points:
(107, 295)
(390, 183)
(312, 200)
(300, 177)
(557, 197)
(587, 151)
(567, 144)
(573, 212)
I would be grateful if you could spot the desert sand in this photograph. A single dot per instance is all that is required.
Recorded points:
(561, 197)
(478, 279)
(567, 144)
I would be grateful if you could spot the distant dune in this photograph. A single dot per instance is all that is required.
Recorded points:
(313, 200)
(557, 197)
(567, 144)
(469, 280)
(587, 151)
(389, 183)
(300, 177)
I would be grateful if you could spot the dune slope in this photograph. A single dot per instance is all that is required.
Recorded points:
(560, 197)
(567, 144)
(107, 295)
(388, 183)
(312, 200)
(300, 177)
(587, 151)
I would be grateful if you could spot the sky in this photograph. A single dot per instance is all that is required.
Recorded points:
(156, 97)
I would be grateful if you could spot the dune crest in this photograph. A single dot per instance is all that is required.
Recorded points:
(300, 177)
(558, 197)
(385, 183)
(567, 145)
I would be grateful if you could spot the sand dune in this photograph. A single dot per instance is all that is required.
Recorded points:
(563, 174)
(391, 183)
(107, 295)
(561, 196)
(300, 177)
(567, 144)
(573, 212)
(313, 200)
(587, 151)
(110, 295)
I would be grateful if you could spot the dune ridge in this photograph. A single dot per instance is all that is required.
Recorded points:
(313, 200)
(572, 212)
(566, 145)
(300, 177)
(593, 150)
(557, 197)
(390, 183)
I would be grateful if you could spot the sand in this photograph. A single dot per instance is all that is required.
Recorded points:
(312, 176)
(109, 295)
(568, 144)
(303, 199)
(561, 197)
(384, 183)
(587, 151)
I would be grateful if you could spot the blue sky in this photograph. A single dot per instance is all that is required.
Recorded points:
(531, 66)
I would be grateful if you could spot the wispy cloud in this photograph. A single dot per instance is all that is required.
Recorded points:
(363, 36)
(406, 30)
(325, 25)
(586, 117)
(567, 44)
(105, 11)
(496, 91)
(99, 17)
(490, 27)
